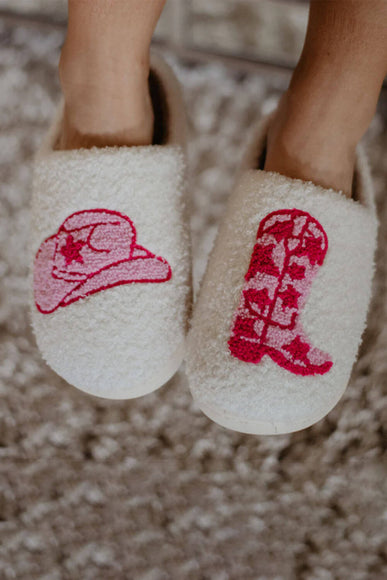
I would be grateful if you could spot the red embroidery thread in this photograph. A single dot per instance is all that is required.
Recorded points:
(290, 247)
(72, 250)
(93, 250)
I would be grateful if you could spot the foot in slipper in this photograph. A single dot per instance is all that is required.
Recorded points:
(282, 308)
(111, 259)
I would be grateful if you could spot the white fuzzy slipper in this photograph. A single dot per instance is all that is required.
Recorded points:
(111, 256)
(282, 308)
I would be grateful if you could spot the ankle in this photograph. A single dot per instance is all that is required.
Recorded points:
(307, 143)
(106, 102)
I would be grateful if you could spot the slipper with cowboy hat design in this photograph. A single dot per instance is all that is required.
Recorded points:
(111, 272)
(283, 303)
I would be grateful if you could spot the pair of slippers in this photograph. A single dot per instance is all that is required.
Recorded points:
(283, 303)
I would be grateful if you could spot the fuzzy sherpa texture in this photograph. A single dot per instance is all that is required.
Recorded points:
(264, 397)
(127, 340)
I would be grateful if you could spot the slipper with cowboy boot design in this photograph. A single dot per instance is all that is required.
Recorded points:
(283, 303)
(111, 255)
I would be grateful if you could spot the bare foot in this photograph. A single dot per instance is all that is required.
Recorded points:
(104, 70)
(105, 107)
(332, 95)
(303, 146)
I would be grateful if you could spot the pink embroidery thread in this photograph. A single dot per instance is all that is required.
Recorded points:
(290, 247)
(92, 251)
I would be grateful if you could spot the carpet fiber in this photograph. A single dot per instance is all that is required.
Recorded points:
(150, 489)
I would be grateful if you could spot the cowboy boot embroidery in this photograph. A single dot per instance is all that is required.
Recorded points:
(290, 248)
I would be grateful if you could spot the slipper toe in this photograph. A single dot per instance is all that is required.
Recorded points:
(110, 276)
(283, 303)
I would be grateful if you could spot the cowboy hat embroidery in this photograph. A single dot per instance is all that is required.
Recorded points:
(93, 250)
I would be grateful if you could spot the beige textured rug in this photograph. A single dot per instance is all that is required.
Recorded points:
(150, 489)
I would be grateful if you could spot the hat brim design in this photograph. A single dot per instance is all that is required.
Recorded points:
(51, 292)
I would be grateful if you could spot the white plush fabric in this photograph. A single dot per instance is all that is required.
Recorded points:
(265, 398)
(128, 340)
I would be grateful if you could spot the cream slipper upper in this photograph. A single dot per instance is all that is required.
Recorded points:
(283, 304)
(111, 256)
